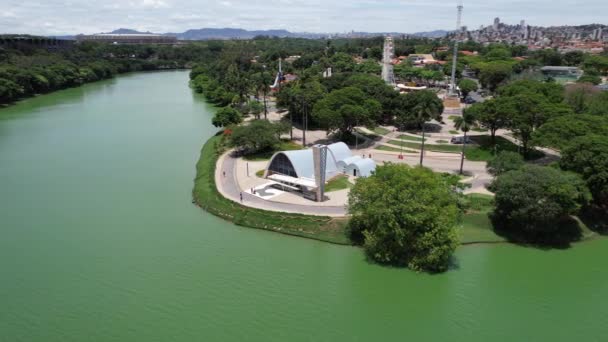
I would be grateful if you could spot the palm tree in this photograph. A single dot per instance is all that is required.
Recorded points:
(464, 123)
(427, 106)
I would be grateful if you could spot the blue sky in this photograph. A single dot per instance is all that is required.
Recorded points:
(86, 16)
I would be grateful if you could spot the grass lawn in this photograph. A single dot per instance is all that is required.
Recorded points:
(338, 183)
(410, 138)
(428, 147)
(206, 196)
(443, 142)
(371, 136)
(453, 117)
(394, 149)
(454, 132)
(260, 173)
(380, 130)
(266, 155)
(476, 226)
(479, 129)
(482, 150)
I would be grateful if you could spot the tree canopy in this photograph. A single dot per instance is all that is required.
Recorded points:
(588, 156)
(406, 217)
(226, 116)
(258, 135)
(535, 204)
(467, 86)
(505, 161)
(341, 110)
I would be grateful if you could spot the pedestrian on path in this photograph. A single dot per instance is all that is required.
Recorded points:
(224, 173)
(241, 197)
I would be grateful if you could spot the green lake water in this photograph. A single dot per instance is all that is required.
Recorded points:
(99, 241)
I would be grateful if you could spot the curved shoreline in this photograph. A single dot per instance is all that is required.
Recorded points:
(228, 187)
(206, 195)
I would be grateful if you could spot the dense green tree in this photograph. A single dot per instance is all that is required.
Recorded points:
(492, 75)
(9, 90)
(578, 96)
(406, 217)
(494, 114)
(467, 86)
(342, 62)
(255, 108)
(559, 132)
(505, 161)
(548, 57)
(590, 78)
(376, 89)
(375, 53)
(344, 109)
(573, 58)
(598, 104)
(527, 117)
(535, 204)
(257, 136)
(553, 92)
(598, 63)
(369, 67)
(588, 156)
(498, 54)
(227, 116)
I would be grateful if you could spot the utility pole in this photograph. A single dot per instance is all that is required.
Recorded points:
(455, 57)
(305, 126)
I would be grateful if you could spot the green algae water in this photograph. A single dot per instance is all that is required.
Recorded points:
(99, 241)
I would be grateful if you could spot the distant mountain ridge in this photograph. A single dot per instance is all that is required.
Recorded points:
(127, 31)
(237, 33)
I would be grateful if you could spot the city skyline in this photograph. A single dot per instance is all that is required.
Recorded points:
(81, 16)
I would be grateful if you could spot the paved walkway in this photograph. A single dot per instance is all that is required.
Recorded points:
(227, 185)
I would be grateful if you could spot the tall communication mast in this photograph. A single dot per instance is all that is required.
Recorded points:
(453, 91)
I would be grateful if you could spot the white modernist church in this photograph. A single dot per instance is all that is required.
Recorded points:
(300, 169)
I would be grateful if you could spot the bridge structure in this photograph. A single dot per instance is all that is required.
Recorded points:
(388, 74)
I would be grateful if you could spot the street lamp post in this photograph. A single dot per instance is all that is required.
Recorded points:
(422, 149)
(265, 90)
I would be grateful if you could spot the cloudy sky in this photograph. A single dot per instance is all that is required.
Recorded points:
(52, 17)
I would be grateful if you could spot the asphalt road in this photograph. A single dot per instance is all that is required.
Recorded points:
(228, 187)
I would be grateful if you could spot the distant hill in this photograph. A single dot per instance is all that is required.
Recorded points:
(236, 33)
(229, 33)
(127, 31)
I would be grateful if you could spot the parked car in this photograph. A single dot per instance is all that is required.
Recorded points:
(469, 100)
(460, 140)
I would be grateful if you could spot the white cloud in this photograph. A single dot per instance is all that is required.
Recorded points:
(85, 16)
(153, 4)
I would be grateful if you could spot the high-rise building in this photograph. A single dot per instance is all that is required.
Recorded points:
(496, 23)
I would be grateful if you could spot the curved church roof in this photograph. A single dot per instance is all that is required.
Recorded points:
(300, 163)
(339, 151)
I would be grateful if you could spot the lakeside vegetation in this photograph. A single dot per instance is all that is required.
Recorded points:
(27, 70)
(475, 226)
